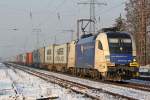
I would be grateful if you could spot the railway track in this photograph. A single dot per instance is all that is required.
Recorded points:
(143, 87)
(130, 85)
(137, 86)
(89, 91)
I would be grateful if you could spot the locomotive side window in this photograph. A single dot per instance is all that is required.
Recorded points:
(111, 40)
(100, 45)
(126, 41)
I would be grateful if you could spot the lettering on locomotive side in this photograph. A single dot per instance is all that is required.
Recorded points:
(122, 60)
(119, 56)
(86, 47)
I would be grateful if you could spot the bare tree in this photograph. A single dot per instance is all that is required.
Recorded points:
(138, 12)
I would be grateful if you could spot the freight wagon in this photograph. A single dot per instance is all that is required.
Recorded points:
(12, 59)
(29, 59)
(41, 53)
(20, 59)
(61, 57)
(24, 58)
(71, 55)
(49, 57)
(36, 58)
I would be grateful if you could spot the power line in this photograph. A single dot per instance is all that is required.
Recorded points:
(112, 8)
(37, 31)
(92, 4)
(71, 31)
(60, 5)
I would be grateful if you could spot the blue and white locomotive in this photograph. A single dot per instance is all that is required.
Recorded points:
(109, 55)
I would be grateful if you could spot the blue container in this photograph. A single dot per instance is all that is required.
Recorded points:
(36, 58)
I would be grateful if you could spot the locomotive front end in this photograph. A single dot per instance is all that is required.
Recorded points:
(121, 62)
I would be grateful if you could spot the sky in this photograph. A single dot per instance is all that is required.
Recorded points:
(22, 20)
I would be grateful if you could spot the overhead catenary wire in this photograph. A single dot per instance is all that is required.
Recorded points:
(110, 9)
(48, 17)
(98, 15)
(92, 4)
(54, 11)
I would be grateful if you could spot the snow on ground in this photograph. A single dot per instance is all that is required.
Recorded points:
(138, 94)
(16, 84)
(5, 83)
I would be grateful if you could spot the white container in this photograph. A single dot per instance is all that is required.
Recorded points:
(24, 58)
(41, 55)
(61, 54)
(49, 54)
(71, 54)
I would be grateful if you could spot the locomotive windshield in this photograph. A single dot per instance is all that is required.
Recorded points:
(119, 43)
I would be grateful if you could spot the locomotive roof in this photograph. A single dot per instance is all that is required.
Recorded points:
(109, 34)
(87, 40)
(118, 35)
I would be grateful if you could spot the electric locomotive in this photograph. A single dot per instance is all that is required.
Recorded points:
(109, 55)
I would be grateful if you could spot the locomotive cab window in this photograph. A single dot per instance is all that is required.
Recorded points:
(120, 43)
(100, 45)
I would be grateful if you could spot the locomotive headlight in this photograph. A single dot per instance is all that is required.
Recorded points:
(107, 58)
(134, 63)
(134, 59)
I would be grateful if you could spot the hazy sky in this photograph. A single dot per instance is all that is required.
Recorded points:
(15, 14)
